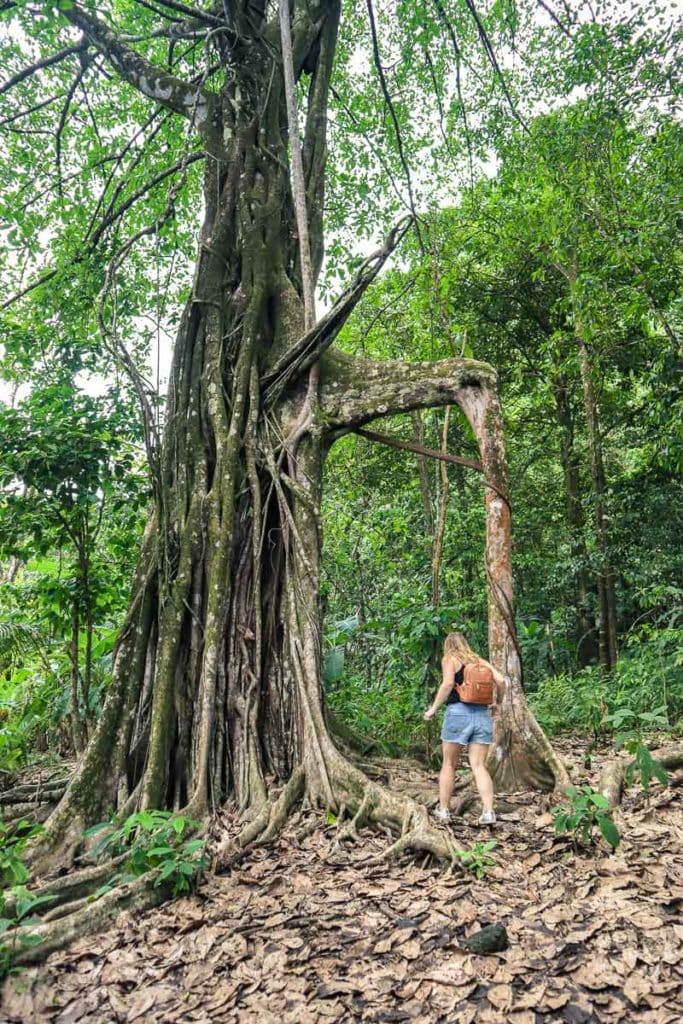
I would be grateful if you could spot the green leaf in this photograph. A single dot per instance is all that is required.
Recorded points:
(160, 851)
(609, 831)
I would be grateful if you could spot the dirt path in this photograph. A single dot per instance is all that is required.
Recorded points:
(298, 935)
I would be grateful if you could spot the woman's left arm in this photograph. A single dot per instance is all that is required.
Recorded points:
(447, 679)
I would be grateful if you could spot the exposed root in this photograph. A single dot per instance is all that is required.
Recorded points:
(84, 919)
(611, 784)
(613, 777)
(326, 780)
(73, 907)
(76, 884)
(349, 831)
(264, 827)
(385, 809)
(522, 757)
(359, 801)
(32, 812)
(670, 758)
(465, 800)
(418, 835)
(347, 737)
(33, 793)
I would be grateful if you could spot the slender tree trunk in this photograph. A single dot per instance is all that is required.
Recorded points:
(86, 600)
(606, 587)
(423, 472)
(585, 623)
(440, 526)
(74, 656)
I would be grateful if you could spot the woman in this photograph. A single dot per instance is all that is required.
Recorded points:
(469, 725)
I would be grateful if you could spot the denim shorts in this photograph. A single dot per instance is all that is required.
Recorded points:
(467, 723)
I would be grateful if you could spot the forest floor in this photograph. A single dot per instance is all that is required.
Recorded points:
(302, 935)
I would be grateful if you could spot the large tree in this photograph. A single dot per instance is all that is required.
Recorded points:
(216, 682)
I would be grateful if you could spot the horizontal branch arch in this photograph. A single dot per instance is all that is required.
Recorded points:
(355, 391)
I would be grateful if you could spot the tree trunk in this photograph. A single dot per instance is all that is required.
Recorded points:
(585, 623)
(217, 670)
(606, 588)
(85, 597)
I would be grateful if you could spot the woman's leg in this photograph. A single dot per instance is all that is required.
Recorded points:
(451, 762)
(477, 754)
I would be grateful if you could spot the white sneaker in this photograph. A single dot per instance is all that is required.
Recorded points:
(441, 815)
(488, 818)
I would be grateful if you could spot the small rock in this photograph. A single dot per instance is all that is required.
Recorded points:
(491, 939)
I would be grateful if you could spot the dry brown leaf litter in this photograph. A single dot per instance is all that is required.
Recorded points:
(302, 934)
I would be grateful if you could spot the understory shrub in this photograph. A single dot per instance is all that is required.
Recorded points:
(585, 811)
(158, 842)
(16, 902)
(648, 676)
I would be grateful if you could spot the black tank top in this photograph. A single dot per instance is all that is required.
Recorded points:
(459, 676)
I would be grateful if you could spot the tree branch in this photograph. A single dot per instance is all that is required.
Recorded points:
(355, 391)
(440, 10)
(29, 110)
(142, 191)
(47, 62)
(397, 128)
(194, 13)
(142, 74)
(112, 216)
(419, 449)
(493, 61)
(314, 343)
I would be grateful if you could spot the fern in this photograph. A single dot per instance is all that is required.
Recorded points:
(16, 638)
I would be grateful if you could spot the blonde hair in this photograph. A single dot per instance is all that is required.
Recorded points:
(456, 646)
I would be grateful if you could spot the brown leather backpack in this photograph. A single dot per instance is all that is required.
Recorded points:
(477, 686)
